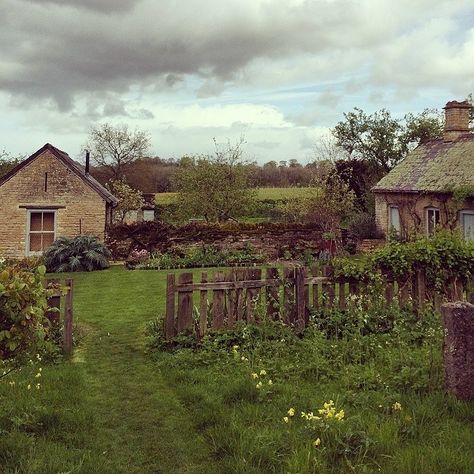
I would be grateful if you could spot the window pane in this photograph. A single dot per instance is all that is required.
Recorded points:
(48, 239)
(48, 221)
(468, 226)
(35, 221)
(35, 243)
(395, 219)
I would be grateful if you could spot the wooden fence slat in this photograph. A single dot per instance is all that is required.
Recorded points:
(289, 294)
(389, 291)
(68, 317)
(239, 295)
(253, 294)
(342, 294)
(185, 304)
(170, 326)
(328, 287)
(203, 308)
(231, 298)
(218, 303)
(316, 289)
(272, 295)
(300, 299)
(54, 302)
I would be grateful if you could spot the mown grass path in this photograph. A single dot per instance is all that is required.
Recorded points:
(108, 410)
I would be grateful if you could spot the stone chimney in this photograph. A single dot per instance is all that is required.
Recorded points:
(457, 116)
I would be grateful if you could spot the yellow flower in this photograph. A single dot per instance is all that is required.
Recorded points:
(270, 382)
(38, 375)
(244, 359)
(291, 412)
(12, 383)
(317, 442)
(259, 385)
(29, 387)
(255, 376)
(263, 372)
(397, 406)
(38, 386)
(286, 419)
(339, 416)
(235, 347)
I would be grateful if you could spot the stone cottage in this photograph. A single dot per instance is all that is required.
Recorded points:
(47, 196)
(434, 185)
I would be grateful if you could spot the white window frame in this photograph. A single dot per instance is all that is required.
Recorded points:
(465, 212)
(390, 224)
(151, 212)
(28, 252)
(427, 220)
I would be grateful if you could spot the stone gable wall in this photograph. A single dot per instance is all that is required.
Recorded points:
(84, 211)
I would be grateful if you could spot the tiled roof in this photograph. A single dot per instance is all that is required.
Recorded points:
(434, 166)
(71, 164)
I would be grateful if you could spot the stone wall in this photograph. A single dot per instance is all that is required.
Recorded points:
(80, 210)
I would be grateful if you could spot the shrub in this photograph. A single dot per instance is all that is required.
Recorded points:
(83, 253)
(362, 226)
(23, 302)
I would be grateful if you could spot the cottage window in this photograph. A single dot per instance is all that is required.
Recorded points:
(148, 214)
(394, 224)
(467, 224)
(432, 220)
(41, 231)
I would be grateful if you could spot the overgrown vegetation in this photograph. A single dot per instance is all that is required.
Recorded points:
(78, 254)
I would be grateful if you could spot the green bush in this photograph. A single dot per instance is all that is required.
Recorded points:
(23, 302)
(82, 253)
(362, 226)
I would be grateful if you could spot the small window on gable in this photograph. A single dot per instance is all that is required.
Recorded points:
(41, 231)
(394, 224)
(467, 224)
(432, 220)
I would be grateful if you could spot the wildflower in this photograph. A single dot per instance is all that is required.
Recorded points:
(38, 386)
(244, 359)
(259, 385)
(29, 387)
(38, 375)
(317, 442)
(40, 369)
(291, 412)
(270, 382)
(234, 348)
(255, 376)
(339, 416)
(397, 406)
(286, 419)
(12, 383)
(263, 372)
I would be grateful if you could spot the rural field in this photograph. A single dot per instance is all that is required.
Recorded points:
(263, 194)
(249, 400)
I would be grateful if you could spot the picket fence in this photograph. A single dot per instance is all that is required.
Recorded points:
(288, 294)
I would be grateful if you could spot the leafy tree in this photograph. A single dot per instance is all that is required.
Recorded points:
(129, 199)
(7, 162)
(115, 148)
(217, 187)
(383, 140)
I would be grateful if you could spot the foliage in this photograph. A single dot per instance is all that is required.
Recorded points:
(362, 226)
(383, 140)
(216, 188)
(7, 162)
(191, 257)
(129, 199)
(23, 302)
(115, 148)
(82, 253)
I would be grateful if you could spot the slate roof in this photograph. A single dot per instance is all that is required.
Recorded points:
(434, 166)
(71, 164)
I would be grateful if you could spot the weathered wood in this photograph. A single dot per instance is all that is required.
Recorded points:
(185, 304)
(328, 286)
(300, 299)
(419, 285)
(170, 326)
(239, 295)
(68, 317)
(218, 303)
(289, 295)
(389, 292)
(342, 294)
(405, 290)
(203, 307)
(272, 297)
(316, 286)
(253, 294)
(54, 301)
(231, 299)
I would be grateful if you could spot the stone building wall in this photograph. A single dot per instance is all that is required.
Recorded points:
(80, 209)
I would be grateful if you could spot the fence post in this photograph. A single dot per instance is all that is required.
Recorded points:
(185, 303)
(289, 294)
(458, 348)
(273, 304)
(68, 317)
(203, 308)
(300, 299)
(253, 294)
(170, 328)
(218, 303)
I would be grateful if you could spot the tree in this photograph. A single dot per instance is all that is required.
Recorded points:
(7, 162)
(216, 187)
(383, 140)
(115, 148)
(129, 199)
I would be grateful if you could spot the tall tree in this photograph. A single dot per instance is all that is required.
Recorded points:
(382, 139)
(129, 199)
(8, 161)
(116, 147)
(216, 188)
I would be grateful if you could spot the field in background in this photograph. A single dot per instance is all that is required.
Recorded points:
(263, 194)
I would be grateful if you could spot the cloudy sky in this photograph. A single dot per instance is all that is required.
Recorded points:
(279, 72)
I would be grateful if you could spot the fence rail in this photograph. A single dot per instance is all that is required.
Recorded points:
(288, 294)
(62, 303)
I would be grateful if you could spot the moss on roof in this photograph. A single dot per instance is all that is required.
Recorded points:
(434, 166)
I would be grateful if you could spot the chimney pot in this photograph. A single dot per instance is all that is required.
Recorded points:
(457, 116)
(87, 162)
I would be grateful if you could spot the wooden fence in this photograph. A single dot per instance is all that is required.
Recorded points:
(60, 303)
(288, 294)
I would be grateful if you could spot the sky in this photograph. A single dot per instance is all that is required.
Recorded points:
(279, 73)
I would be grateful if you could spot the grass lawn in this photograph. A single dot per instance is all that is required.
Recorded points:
(263, 194)
(118, 408)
